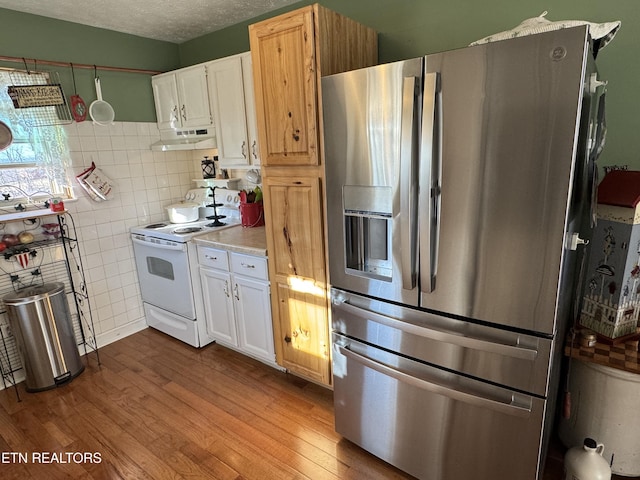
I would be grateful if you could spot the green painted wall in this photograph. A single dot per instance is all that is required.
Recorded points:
(407, 28)
(32, 36)
(411, 28)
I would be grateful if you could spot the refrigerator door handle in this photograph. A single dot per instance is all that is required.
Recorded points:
(514, 351)
(429, 182)
(518, 405)
(408, 217)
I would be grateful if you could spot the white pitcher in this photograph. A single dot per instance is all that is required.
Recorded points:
(586, 462)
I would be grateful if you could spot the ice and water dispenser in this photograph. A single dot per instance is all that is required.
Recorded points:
(368, 222)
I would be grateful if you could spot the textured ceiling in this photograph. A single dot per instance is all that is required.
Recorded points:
(173, 21)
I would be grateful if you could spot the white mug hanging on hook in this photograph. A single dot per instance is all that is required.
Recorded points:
(101, 112)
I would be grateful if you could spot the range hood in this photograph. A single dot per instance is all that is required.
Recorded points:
(192, 139)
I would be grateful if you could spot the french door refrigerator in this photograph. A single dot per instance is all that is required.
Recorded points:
(459, 196)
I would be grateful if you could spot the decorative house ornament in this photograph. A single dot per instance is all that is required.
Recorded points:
(611, 304)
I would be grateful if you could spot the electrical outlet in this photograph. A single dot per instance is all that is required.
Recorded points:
(6, 331)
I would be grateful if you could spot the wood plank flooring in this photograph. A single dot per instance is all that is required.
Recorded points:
(158, 409)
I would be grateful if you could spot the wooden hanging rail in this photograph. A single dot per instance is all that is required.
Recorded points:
(36, 62)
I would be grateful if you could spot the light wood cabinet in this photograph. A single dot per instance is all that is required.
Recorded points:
(302, 317)
(295, 218)
(290, 53)
(230, 83)
(181, 98)
(286, 85)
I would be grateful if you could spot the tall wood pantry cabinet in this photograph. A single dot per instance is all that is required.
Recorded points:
(290, 53)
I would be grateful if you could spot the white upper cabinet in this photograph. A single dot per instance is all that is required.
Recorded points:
(182, 99)
(165, 96)
(250, 108)
(233, 108)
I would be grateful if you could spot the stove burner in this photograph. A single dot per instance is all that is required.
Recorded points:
(156, 225)
(187, 230)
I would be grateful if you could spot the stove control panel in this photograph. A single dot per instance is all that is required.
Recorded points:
(202, 196)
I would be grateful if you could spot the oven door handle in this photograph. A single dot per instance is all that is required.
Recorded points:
(441, 335)
(518, 405)
(163, 246)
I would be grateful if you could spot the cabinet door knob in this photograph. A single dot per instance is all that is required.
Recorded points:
(254, 150)
(287, 339)
(184, 112)
(244, 149)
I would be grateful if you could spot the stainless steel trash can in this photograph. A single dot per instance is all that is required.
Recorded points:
(43, 330)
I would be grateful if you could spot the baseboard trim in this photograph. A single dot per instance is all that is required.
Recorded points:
(120, 332)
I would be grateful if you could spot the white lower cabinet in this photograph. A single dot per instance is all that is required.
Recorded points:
(218, 306)
(235, 289)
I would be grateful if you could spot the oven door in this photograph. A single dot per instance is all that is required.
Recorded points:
(163, 275)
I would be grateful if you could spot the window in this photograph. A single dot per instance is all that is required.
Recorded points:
(37, 160)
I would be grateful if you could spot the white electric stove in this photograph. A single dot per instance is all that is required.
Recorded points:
(227, 212)
(167, 265)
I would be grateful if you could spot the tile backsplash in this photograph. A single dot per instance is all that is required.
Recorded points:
(145, 182)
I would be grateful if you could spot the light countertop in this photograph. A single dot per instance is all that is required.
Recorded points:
(252, 241)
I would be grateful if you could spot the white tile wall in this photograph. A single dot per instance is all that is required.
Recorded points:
(146, 181)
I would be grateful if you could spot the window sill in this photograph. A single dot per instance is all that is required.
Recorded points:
(43, 212)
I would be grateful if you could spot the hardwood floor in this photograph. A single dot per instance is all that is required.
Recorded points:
(159, 409)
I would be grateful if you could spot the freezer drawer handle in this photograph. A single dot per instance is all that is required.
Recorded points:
(440, 335)
(511, 408)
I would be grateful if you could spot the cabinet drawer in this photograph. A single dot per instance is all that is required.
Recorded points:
(213, 257)
(249, 265)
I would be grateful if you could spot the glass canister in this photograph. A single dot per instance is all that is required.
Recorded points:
(208, 168)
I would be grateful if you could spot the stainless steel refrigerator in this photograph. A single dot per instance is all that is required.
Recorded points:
(459, 196)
